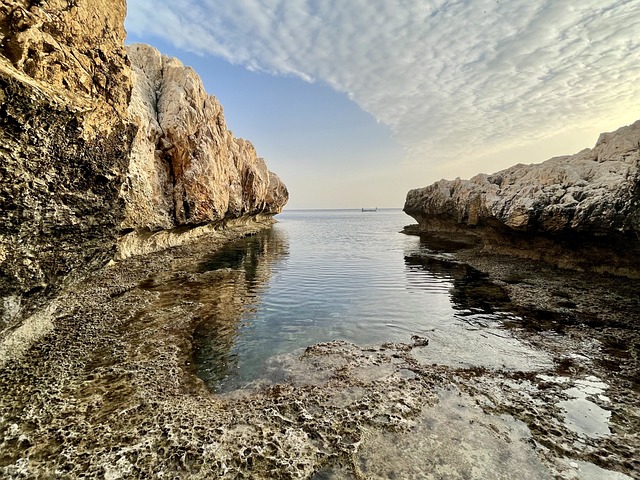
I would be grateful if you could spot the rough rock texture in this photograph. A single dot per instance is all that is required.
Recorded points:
(111, 392)
(74, 175)
(186, 167)
(64, 141)
(592, 197)
(74, 47)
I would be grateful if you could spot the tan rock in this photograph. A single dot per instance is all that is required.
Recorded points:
(580, 211)
(64, 141)
(71, 183)
(186, 167)
(147, 189)
(73, 48)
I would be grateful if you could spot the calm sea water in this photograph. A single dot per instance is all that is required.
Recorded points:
(318, 276)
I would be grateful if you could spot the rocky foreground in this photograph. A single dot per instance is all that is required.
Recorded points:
(110, 160)
(518, 226)
(579, 211)
(110, 392)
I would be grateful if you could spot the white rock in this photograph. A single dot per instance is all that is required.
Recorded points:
(186, 167)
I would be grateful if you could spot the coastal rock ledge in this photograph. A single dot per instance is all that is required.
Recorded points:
(186, 167)
(107, 151)
(188, 175)
(577, 211)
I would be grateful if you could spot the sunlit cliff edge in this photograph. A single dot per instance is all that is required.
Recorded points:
(578, 211)
(106, 153)
(186, 168)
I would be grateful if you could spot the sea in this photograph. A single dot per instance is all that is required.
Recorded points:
(352, 275)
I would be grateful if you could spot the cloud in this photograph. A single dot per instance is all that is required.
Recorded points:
(449, 77)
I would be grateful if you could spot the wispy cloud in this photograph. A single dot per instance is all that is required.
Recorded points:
(449, 77)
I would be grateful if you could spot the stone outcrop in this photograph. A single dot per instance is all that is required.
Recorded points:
(590, 198)
(186, 167)
(64, 140)
(94, 151)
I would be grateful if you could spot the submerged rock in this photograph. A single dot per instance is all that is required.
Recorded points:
(588, 202)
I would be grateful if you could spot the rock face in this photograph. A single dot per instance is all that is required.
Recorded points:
(74, 174)
(186, 167)
(64, 140)
(592, 196)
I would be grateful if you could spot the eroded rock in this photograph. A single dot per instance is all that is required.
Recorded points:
(112, 392)
(76, 181)
(590, 200)
(186, 167)
(64, 141)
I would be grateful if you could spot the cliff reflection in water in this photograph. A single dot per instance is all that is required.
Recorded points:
(471, 292)
(241, 272)
(474, 333)
(340, 275)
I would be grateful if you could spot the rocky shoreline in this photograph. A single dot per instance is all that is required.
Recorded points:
(560, 242)
(118, 182)
(577, 211)
(587, 321)
(110, 391)
(106, 150)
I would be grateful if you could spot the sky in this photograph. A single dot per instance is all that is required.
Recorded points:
(354, 102)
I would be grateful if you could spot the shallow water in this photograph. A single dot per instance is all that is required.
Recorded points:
(113, 380)
(319, 276)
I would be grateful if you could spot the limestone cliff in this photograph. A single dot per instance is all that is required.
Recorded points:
(592, 196)
(64, 140)
(186, 167)
(76, 180)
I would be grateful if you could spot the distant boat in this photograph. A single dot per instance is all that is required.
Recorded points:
(370, 209)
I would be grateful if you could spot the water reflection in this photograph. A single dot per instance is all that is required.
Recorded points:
(471, 291)
(581, 414)
(246, 266)
(474, 333)
(319, 277)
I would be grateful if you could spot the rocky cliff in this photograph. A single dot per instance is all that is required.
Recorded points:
(186, 167)
(76, 180)
(589, 199)
(64, 141)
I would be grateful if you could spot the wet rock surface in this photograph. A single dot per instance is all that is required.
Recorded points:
(586, 407)
(111, 392)
(99, 157)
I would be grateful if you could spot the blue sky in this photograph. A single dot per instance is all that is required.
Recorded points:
(354, 102)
